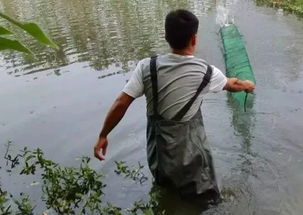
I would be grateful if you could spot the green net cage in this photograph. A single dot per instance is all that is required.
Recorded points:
(237, 62)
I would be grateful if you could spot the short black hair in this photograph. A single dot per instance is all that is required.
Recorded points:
(180, 26)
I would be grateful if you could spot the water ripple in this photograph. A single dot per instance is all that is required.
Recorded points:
(100, 32)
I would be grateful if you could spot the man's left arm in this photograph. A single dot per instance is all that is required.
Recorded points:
(113, 117)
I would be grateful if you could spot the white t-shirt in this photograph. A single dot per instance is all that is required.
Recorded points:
(178, 80)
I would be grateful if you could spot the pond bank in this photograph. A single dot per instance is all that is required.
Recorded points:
(294, 6)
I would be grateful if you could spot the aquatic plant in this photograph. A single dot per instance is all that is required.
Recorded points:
(294, 6)
(70, 190)
(135, 174)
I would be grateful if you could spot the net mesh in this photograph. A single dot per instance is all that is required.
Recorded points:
(236, 61)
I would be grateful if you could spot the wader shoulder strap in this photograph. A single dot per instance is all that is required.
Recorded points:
(154, 80)
(186, 107)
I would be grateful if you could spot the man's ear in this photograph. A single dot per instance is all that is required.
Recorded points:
(194, 40)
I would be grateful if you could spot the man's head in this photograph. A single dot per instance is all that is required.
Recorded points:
(181, 27)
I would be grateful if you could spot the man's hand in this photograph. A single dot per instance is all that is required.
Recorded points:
(113, 117)
(250, 86)
(236, 85)
(100, 148)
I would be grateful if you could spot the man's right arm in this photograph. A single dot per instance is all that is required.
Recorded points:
(113, 117)
(236, 85)
(133, 89)
(219, 81)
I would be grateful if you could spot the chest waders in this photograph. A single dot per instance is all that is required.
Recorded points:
(178, 152)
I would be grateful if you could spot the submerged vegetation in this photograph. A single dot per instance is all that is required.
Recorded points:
(68, 190)
(294, 6)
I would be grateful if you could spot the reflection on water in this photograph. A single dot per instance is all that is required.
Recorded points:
(243, 122)
(243, 125)
(100, 32)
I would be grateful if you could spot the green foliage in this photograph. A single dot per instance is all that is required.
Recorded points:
(294, 6)
(30, 28)
(149, 208)
(5, 208)
(13, 45)
(135, 174)
(24, 205)
(112, 210)
(66, 189)
(4, 31)
(70, 190)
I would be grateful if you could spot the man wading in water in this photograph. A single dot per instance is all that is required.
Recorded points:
(174, 85)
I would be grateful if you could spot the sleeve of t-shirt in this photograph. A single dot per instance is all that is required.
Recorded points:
(218, 80)
(134, 86)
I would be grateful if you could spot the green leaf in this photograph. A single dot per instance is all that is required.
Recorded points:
(148, 212)
(4, 31)
(33, 29)
(14, 45)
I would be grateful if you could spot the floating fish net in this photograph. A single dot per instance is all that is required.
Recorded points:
(237, 62)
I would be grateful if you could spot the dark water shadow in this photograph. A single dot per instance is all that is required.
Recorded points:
(170, 201)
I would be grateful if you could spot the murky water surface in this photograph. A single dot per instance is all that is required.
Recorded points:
(58, 101)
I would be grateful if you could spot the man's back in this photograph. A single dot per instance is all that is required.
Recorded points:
(178, 80)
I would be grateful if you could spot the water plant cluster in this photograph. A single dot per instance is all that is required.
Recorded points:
(69, 190)
(294, 6)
